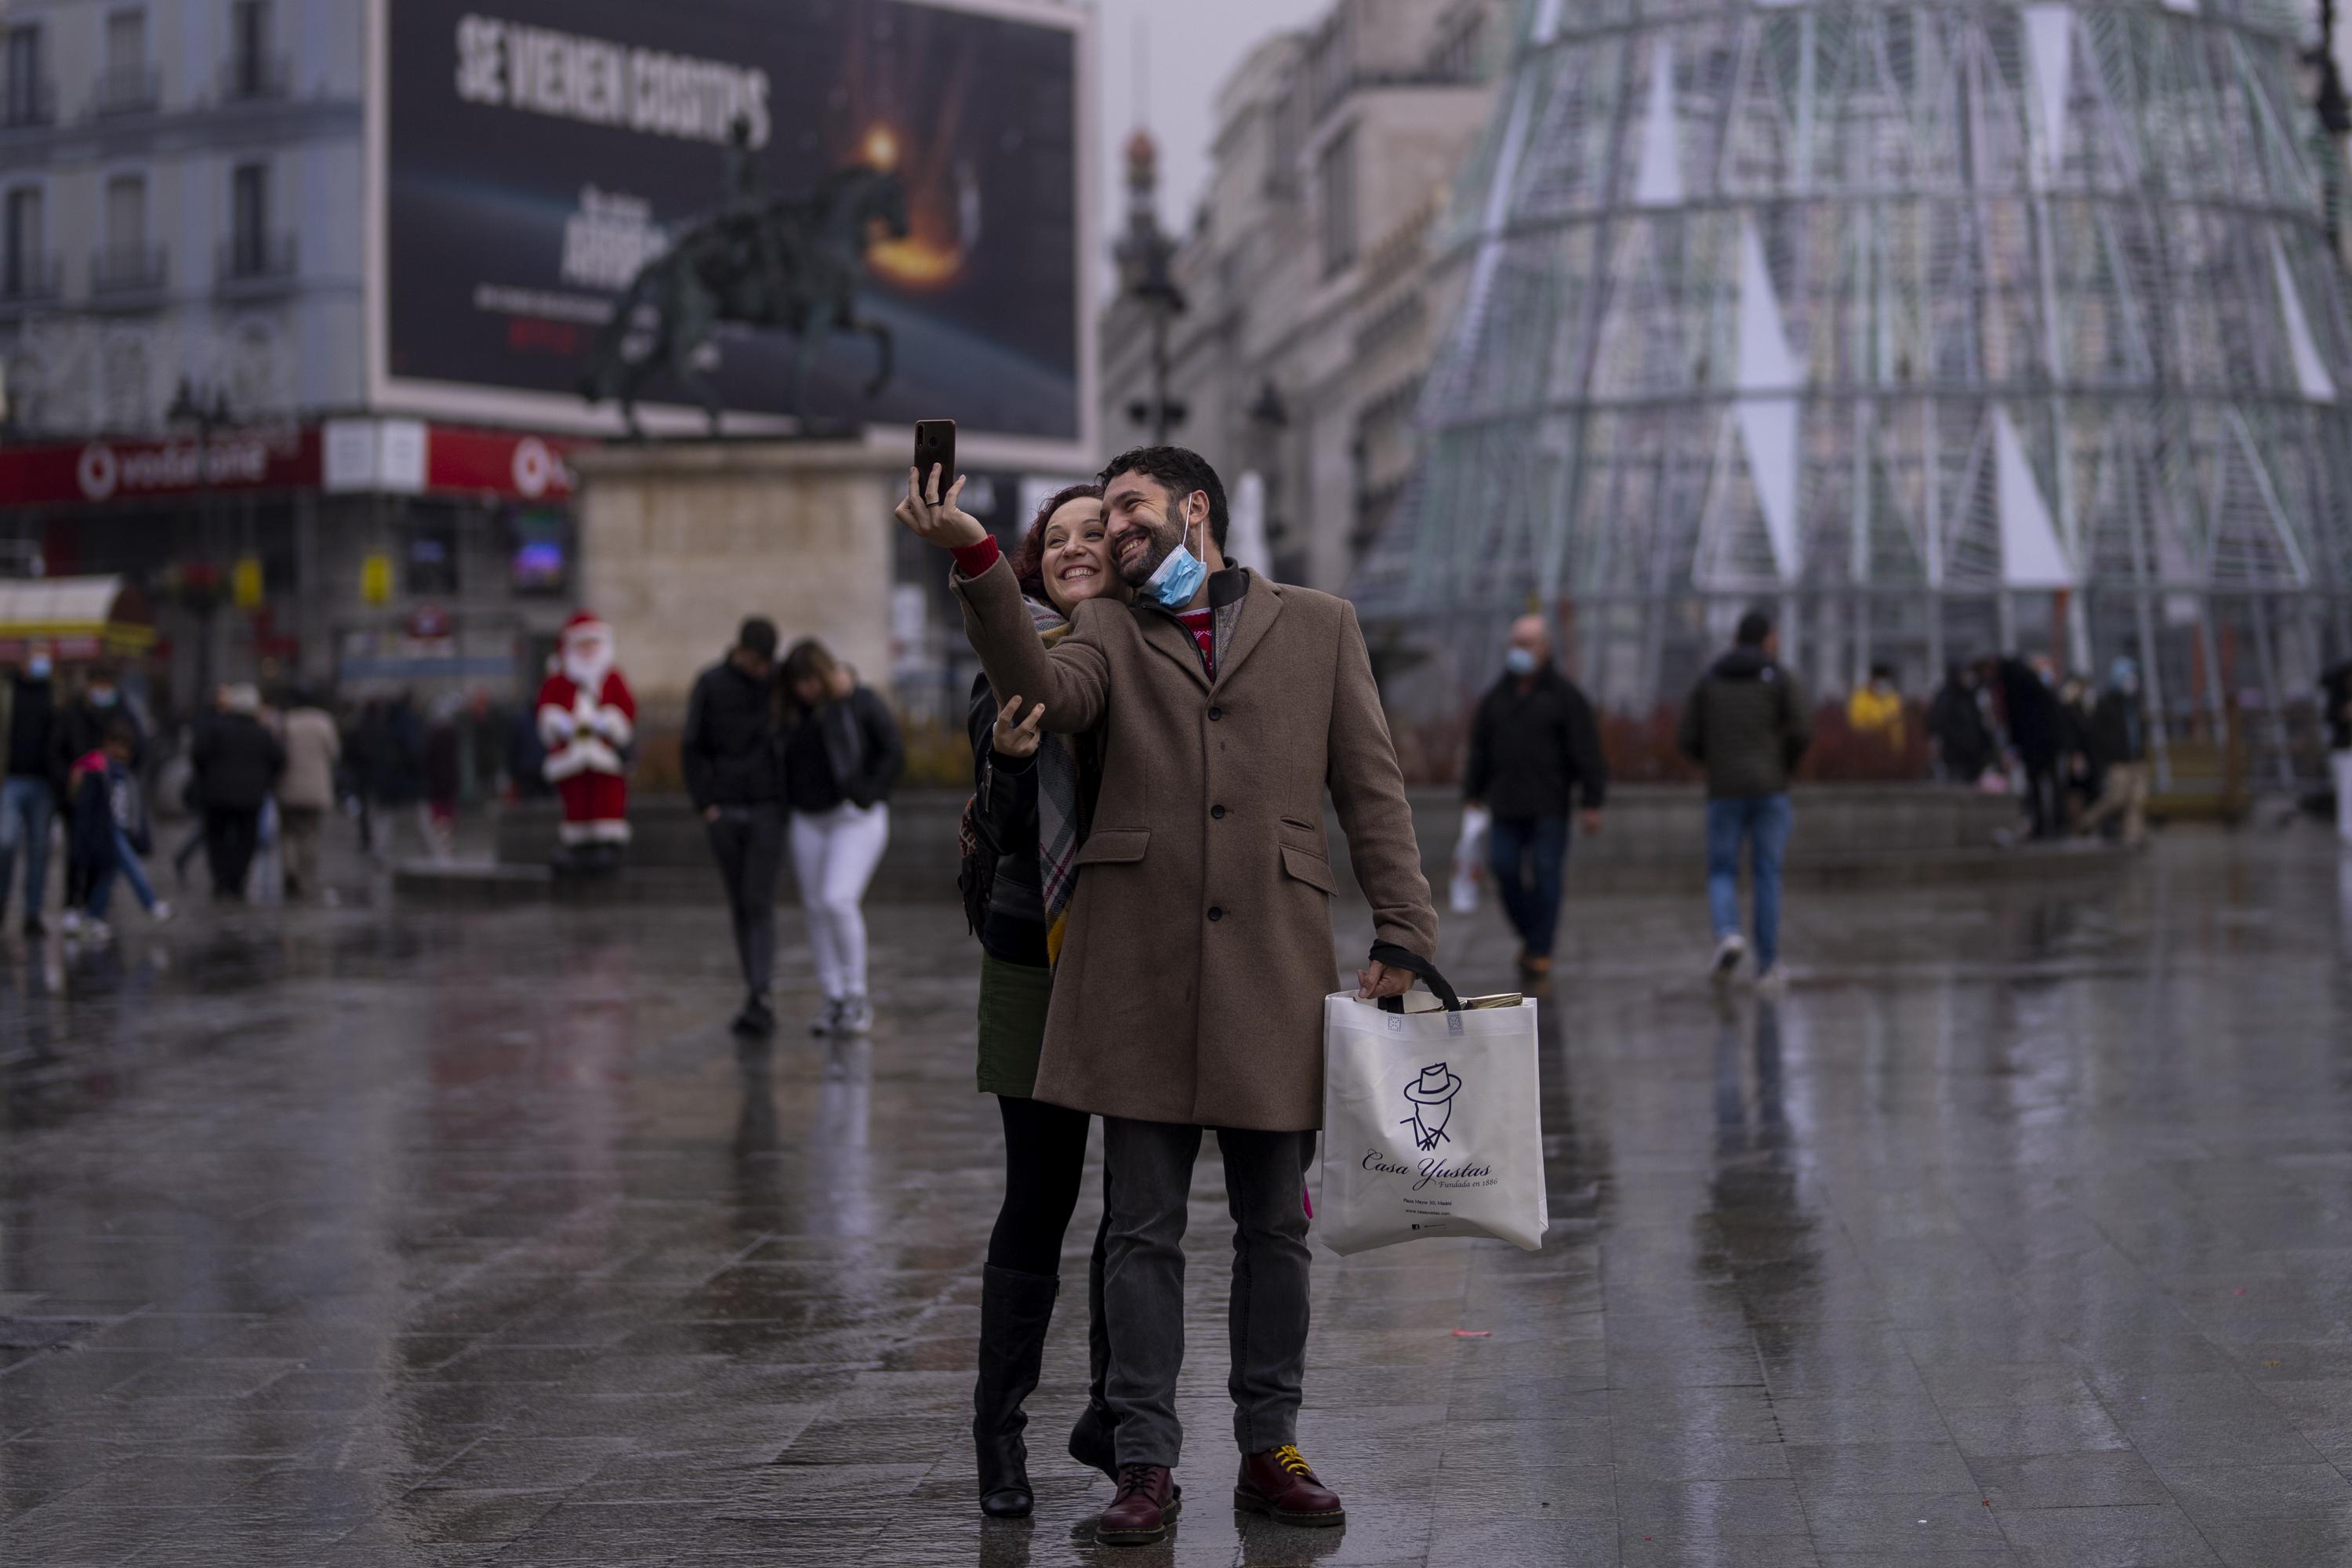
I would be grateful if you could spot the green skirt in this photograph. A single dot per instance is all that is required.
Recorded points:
(1013, 1002)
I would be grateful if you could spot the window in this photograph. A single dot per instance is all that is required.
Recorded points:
(248, 44)
(23, 93)
(23, 264)
(433, 558)
(126, 86)
(1336, 178)
(249, 220)
(126, 213)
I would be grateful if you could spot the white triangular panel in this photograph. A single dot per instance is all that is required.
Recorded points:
(2049, 45)
(1767, 424)
(1658, 182)
(2031, 555)
(2310, 370)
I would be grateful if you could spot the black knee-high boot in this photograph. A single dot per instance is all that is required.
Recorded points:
(1014, 1311)
(1092, 1439)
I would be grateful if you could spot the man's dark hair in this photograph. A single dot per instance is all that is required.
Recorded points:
(118, 732)
(1179, 471)
(1881, 672)
(1754, 627)
(756, 636)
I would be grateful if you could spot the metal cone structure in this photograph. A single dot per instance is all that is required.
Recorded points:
(1942, 330)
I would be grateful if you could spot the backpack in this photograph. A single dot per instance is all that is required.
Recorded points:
(975, 866)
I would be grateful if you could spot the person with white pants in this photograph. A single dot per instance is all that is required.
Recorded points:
(841, 755)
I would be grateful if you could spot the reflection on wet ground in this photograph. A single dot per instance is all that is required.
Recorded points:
(2020, 1232)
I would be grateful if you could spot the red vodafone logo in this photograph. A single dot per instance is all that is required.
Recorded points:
(97, 470)
(534, 467)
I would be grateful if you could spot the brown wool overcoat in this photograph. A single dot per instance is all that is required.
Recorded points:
(1191, 980)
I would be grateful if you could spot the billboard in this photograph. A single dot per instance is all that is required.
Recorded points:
(529, 157)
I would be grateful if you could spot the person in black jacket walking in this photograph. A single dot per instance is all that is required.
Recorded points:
(1746, 721)
(28, 798)
(1032, 800)
(1533, 746)
(1965, 747)
(729, 751)
(237, 762)
(81, 728)
(841, 755)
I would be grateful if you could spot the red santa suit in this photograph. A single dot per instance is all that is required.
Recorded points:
(587, 720)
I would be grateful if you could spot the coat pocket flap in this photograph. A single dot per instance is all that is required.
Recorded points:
(1114, 846)
(1312, 870)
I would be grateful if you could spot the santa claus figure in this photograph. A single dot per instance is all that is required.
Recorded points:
(587, 720)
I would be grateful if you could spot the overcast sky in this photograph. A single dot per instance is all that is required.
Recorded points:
(1191, 45)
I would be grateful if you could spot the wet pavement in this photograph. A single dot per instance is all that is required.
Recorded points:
(2020, 1232)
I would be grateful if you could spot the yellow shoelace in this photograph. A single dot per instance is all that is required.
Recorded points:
(1291, 1459)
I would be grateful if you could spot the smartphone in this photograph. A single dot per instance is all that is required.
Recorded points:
(934, 447)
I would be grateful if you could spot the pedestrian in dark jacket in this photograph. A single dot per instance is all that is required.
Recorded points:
(841, 756)
(1747, 722)
(29, 797)
(1534, 752)
(2336, 696)
(110, 829)
(728, 755)
(80, 730)
(2037, 729)
(237, 762)
(1965, 747)
(2119, 743)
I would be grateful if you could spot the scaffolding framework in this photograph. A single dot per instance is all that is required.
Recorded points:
(1945, 329)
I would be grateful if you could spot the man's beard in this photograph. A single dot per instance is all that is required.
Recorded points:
(1135, 569)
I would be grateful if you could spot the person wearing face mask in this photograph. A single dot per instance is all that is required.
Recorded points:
(2119, 746)
(1033, 797)
(82, 728)
(1198, 953)
(27, 799)
(1533, 747)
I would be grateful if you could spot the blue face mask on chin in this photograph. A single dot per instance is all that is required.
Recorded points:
(1177, 578)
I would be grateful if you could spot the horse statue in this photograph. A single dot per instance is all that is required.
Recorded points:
(788, 262)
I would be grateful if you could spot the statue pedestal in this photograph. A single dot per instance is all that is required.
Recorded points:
(680, 541)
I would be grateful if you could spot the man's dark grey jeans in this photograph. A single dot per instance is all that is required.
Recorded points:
(747, 842)
(1147, 1170)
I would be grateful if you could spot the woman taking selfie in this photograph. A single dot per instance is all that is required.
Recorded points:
(842, 753)
(1033, 795)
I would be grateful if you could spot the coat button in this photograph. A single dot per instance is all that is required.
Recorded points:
(1215, 714)
(1217, 813)
(1215, 913)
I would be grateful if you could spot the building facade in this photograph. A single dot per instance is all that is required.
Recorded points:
(1310, 314)
(182, 334)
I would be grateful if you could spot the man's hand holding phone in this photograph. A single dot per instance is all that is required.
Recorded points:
(935, 517)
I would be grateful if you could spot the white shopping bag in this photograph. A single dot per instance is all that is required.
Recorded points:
(1468, 858)
(1431, 1124)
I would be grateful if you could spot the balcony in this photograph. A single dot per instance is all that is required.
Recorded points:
(255, 78)
(39, 281)
(128, 278)
(253, 266)
(127, 90)
(24, 103)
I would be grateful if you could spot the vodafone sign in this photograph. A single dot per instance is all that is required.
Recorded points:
(368, 455)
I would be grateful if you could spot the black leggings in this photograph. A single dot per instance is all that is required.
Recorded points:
(1044, 1164)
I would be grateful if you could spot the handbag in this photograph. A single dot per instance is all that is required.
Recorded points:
(1432, 1123)
(1468, 860)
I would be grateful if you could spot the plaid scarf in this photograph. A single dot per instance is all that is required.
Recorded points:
(1057, 805)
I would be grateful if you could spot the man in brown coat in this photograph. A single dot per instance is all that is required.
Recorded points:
(1189, 991)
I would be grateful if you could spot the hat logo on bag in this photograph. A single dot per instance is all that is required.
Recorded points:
(1430, 1096)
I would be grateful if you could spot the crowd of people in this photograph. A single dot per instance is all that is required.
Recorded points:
(2081, 754)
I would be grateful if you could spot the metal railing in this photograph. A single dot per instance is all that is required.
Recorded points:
(255, 78)
(252, 261)
(127, 90)
(120, 270)
(26, 103)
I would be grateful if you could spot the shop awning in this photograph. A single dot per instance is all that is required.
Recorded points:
(78, 618)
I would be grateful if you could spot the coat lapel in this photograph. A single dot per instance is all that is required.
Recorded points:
(1166, 634)
(1258, 608)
